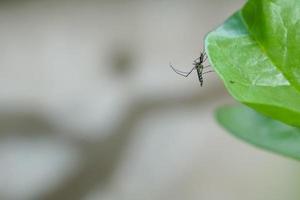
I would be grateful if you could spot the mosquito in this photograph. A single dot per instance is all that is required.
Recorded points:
(198, 65)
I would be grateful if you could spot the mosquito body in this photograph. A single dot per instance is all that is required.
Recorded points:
(198, 66)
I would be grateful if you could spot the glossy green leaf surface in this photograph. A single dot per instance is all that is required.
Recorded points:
(275, 25)
(257, 54)
(260, 131)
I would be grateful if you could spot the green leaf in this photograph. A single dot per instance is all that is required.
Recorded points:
(260, 131)
(275, 25)
(257, 54)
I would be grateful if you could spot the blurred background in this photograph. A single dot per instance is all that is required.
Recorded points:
(90, 110)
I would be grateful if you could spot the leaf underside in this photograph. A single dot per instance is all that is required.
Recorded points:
(260, 130)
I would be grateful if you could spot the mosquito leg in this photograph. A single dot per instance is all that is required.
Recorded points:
(206, 66)
(185, 74)
(208, 72)
(197, 59)
(205, 58)
(176, 70)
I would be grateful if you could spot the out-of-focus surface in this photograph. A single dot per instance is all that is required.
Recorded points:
(90, 110)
